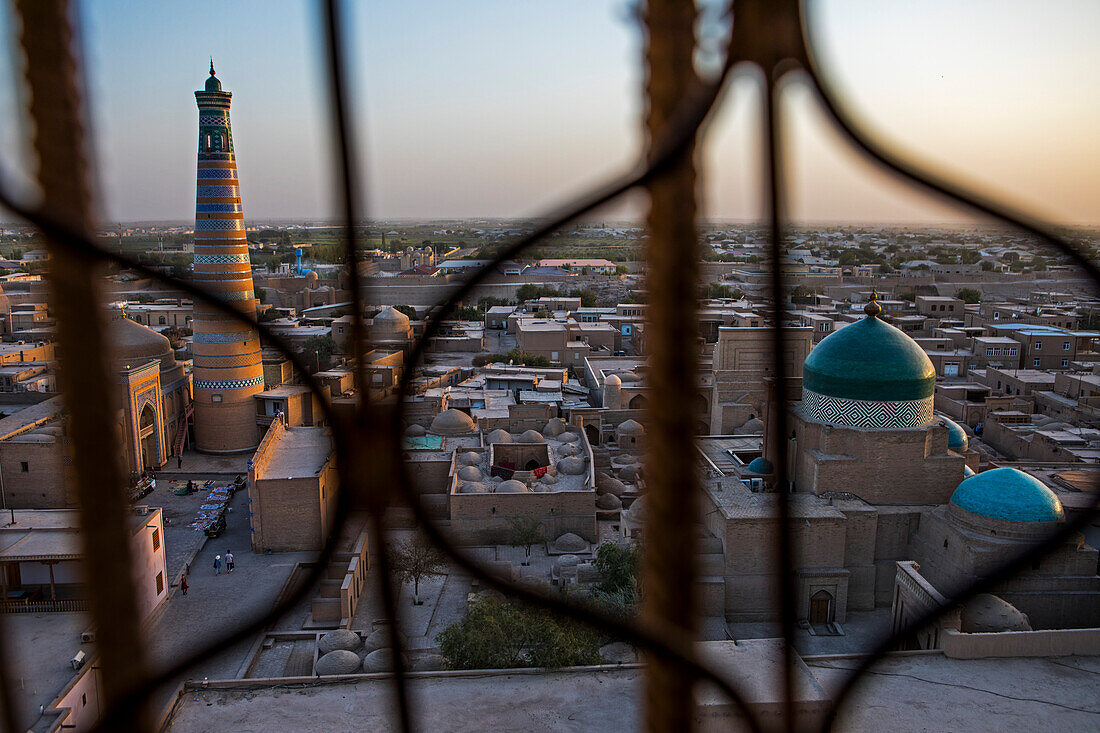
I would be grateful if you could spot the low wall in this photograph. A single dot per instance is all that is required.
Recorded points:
(1043, 643)
(351, 589)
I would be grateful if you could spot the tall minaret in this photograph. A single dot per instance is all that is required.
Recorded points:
(228, 369)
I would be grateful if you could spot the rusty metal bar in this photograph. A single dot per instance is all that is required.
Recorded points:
(52, 78)
(784, 539)
(672, 255)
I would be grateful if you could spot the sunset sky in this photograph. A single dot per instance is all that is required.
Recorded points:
(505, 108)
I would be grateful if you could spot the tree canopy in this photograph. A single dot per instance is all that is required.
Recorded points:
(414, 559)
(969, 295)
(496, 634)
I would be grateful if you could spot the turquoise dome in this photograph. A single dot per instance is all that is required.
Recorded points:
(957, 439)
(1009, 495)
(760, 465)
(869, 360)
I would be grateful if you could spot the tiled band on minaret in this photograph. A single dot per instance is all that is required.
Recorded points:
(228, 369)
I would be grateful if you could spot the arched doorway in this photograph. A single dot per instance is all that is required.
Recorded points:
(638, 402)
(147, 432)
(593, 434)
(821, 608)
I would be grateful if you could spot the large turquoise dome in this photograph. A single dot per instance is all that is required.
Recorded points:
(868, 375)
(1009, 495)
(869, 360)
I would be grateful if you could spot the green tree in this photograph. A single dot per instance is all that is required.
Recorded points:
(496, 634)
(413, 560)
(589, 299)
(408, 310)
(622, 270)
(525, 532)
(618, 565)
(969, 295)
(518, 356)
(528, 291)
(483, 359)
(321, 348)
(468, 313)
(801, 293)
(488, 301)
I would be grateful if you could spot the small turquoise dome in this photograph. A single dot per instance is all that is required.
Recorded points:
(957, 439)
(869, 360)
(968, 472)
(1009, 495)
(760, 465)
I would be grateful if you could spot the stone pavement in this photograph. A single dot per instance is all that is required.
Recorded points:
(863, 631)
(195, 463)
(215, 604)
(180, 541)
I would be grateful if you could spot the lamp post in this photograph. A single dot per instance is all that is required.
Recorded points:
(4, 496)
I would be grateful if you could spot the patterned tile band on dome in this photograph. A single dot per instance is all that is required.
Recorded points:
(217, 225)
(866, 414)
(231, 384)
(220, 259)
(217, 191)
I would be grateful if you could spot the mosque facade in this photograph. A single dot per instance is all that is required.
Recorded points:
(878, 481)
(228, 369)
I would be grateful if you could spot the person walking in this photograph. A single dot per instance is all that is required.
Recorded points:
(217, 564)
(228, 561)
(183, 584)
(179, 461)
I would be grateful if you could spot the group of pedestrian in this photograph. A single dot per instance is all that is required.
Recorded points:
(228, 562)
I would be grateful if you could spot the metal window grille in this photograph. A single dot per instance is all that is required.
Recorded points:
(769, 35)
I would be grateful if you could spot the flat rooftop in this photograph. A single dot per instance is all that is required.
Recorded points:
(40, 646)
(30, 417)
(283, 390)
(299, 453)
(903, 692)
(737, 502)
(48, 533)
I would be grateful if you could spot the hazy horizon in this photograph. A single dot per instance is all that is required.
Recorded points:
(504, 111)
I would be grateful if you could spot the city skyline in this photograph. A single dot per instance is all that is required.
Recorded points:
(447, 131)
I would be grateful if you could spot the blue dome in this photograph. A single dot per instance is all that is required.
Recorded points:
(957, 439)
(869, 360)
(760, 465)
(1009, 495)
